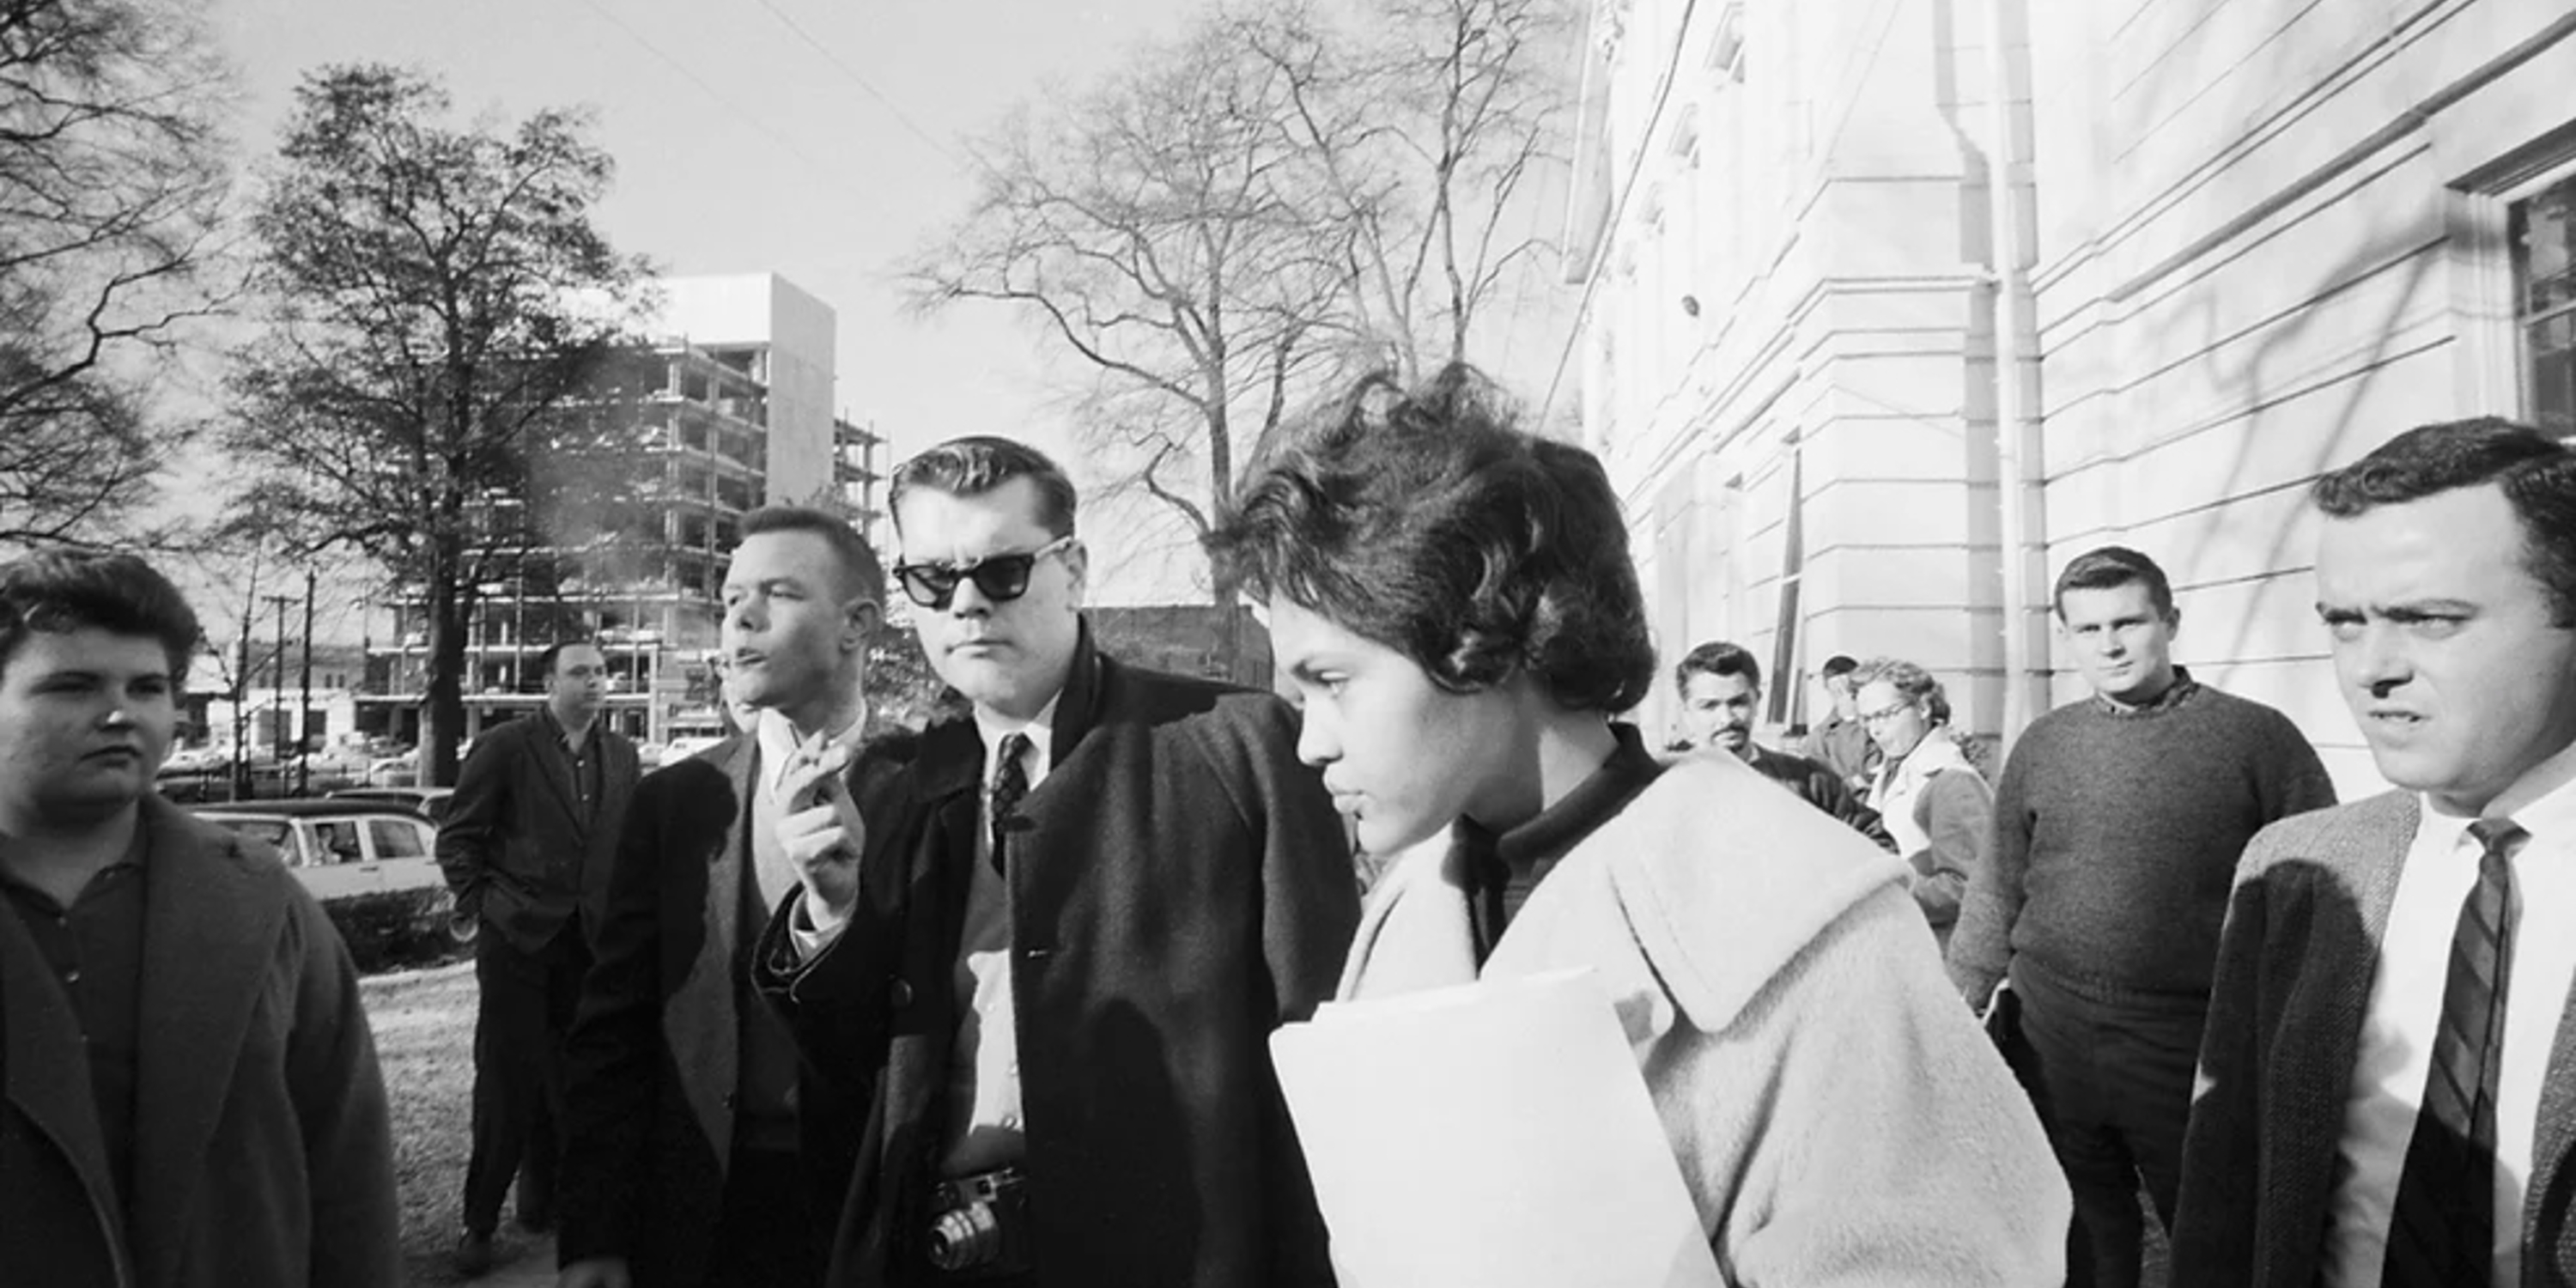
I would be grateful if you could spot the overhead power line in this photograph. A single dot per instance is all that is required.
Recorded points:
(865, 86)
(748, 116)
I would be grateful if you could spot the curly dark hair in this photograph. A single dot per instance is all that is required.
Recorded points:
(2536, 473)
(66, 590)
(1426, 520)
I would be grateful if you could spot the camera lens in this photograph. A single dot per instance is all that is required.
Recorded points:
(965, 1238)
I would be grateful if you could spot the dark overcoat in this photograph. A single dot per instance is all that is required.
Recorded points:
(1179, 887)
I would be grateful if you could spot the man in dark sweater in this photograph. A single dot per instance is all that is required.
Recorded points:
(2117, 828)
(1721, 688)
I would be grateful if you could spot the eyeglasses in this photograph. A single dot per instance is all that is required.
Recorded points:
(999, 578)
(1885, 714)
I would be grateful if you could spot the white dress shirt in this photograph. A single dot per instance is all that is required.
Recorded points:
(984, 1068)
(2396, 1052)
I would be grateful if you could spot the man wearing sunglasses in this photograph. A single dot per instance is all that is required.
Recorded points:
(1081, 912)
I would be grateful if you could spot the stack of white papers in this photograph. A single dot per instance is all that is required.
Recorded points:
(1495, 1135)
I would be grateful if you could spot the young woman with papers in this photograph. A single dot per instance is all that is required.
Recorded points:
(1453, 602)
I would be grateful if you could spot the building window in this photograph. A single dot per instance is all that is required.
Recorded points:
(2542, 232)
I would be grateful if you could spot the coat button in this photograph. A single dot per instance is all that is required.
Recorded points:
(900, 994)
(728, 1101)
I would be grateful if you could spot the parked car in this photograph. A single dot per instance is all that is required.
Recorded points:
(393, 771)
(431, 802)
(371, 863)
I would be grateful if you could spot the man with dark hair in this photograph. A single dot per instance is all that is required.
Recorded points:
(191, 1095)
(1840, 741)
(527, 845)
(2117, 825)
(1454, 602)
(1083, 909)
(1721, 689)
(702, 1149)
(2387, 1087)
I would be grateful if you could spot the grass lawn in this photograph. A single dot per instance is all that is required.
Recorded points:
(424, 1023)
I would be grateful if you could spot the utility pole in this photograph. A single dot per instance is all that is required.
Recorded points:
(240, 754)
(304, 737)
(277, 684)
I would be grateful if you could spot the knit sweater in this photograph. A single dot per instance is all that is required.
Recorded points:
(2116, 833)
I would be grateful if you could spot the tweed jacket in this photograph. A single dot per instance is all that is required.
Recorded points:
(1179, 887)
(2295, 964)
(1839, 1117)
(516, 846)
(262, 1153)
(654, 1057)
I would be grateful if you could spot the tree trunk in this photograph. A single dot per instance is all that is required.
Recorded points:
(444, 720)
(1228, 636)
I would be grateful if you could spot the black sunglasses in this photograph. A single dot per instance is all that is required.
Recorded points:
(999, 578)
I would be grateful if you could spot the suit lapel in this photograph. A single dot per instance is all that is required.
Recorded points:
(2545, 1208)
(554, 765)
(2311, 1062)
(211, 923)
(940, 870)
(46, 1082)
(700, 1024)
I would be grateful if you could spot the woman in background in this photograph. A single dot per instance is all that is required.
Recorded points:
(1932, 799)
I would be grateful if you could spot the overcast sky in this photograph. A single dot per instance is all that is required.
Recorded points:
(817, 139)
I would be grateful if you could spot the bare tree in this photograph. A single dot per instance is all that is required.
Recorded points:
(1277, 199)
(1154, 230)
(1422, 121)
(437, 303)
(112, 178)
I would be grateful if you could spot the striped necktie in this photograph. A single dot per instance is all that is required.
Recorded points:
(1010, 783)
(2442, 1232)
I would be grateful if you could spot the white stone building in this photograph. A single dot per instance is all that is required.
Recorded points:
(2248, 240)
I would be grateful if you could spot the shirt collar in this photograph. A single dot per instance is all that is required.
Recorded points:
(563, 732)
(778, 745)
(2551, 820)
(2174, 695)
(1039, 729)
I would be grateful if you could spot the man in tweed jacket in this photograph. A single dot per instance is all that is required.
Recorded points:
(2446, 572)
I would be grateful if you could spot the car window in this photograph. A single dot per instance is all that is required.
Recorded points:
(398, 838)
(337, 838)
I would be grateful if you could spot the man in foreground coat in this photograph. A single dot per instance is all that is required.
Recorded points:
(2387, 1086)
(192, 1099)
(1080, 915)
